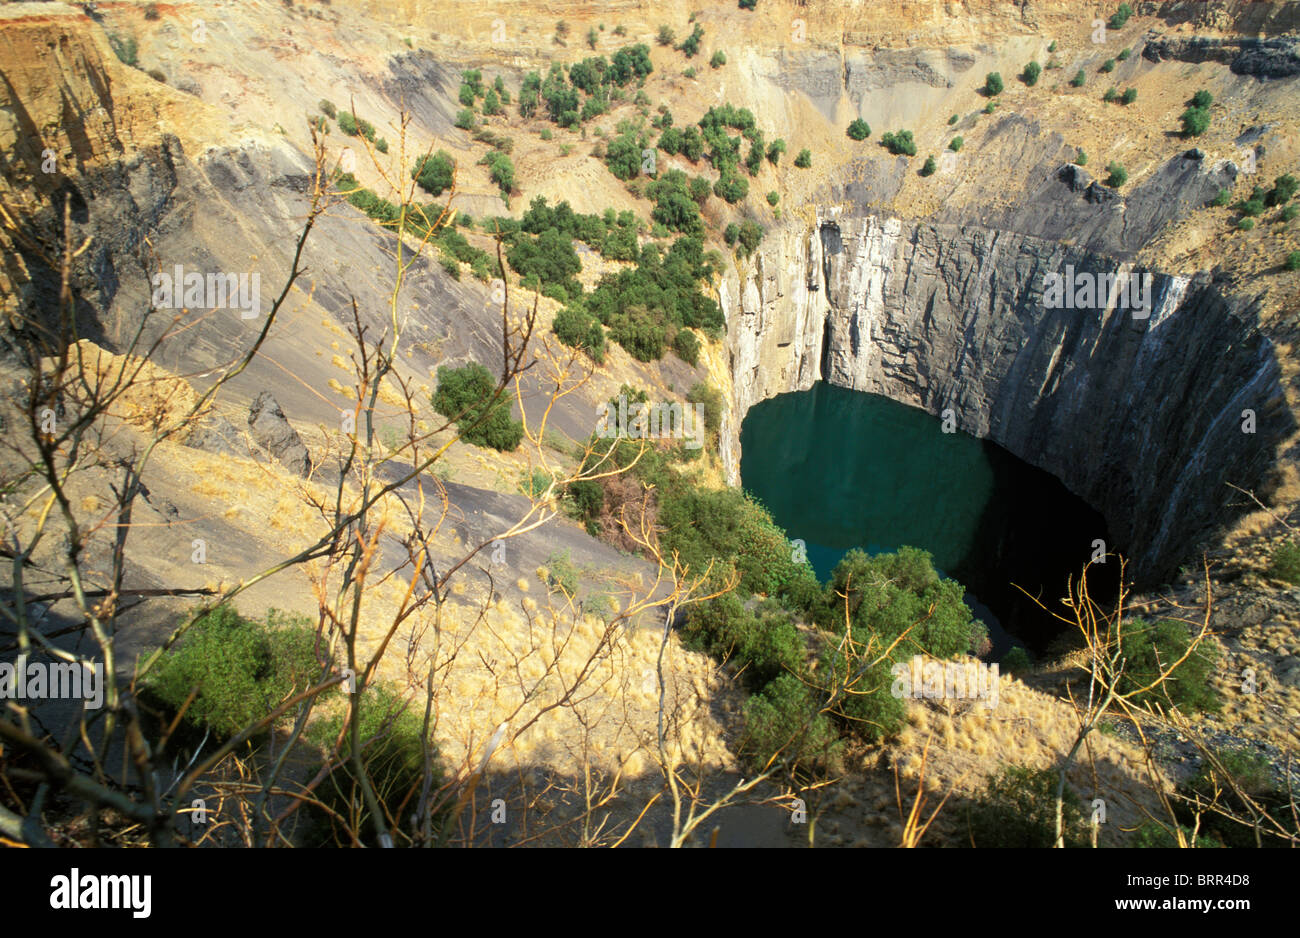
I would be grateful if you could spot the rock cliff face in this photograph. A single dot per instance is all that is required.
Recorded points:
(1142, 417)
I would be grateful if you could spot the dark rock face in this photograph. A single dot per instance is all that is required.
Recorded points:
(1278, 57)
(273, 433)
(218, 435)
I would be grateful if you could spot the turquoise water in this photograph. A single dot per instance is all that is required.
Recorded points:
(841, 469)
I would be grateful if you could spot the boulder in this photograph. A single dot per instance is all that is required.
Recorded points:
(271, 431)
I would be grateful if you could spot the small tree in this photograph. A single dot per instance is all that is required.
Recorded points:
(1195, 121)
(859, 129)
(467, 395)
(1030, 75)
(993, 83)
(1079, 79)
(955, 144)
(1108, 66)
(804, 159)
(1202, 99)
(1121, 16)
(929, 167)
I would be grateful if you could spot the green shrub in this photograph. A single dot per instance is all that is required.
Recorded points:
(993, 83)
(501, 171)
(929, 167)
(1245, 224)
(464, 120)
(327, 108)
(1117, 175)
(990, 107)
(434, 173)
(1202, 99)
(1081, 157)
(1121, 16)
(561, 574)
(1108, 66)
(466, 395)
(952, 120)
(578, 329)
(1150, 648)
(773, 198)
(687, 347)
(1289, 213)
(751, 235)
(1285, 562)
(348, 124)
(731, 187)
(242, 669)
(727, 525)
(390, 734)
(1195, 121)
(711, 399)
(1283, 188)
(125, 48)
(955, 144)
(775, 150)
(1130, 95)
(1016, 661)
(665, 35)
(1292, 262)
(1252, 208)
(719, 59)
(1079, 79)
(886, 594)
(691, 44)
(1124, 54)
(783, 723)
(859, 129)
(804, 159)
(1030, 75)
(1018, 809)
(1221, 198)
(899, 143)
(1246, 772)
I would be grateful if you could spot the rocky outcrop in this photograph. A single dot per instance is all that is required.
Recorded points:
(271, 431)
(1278, 57)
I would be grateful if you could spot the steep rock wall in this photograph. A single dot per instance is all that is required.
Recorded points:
(1141, 417)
